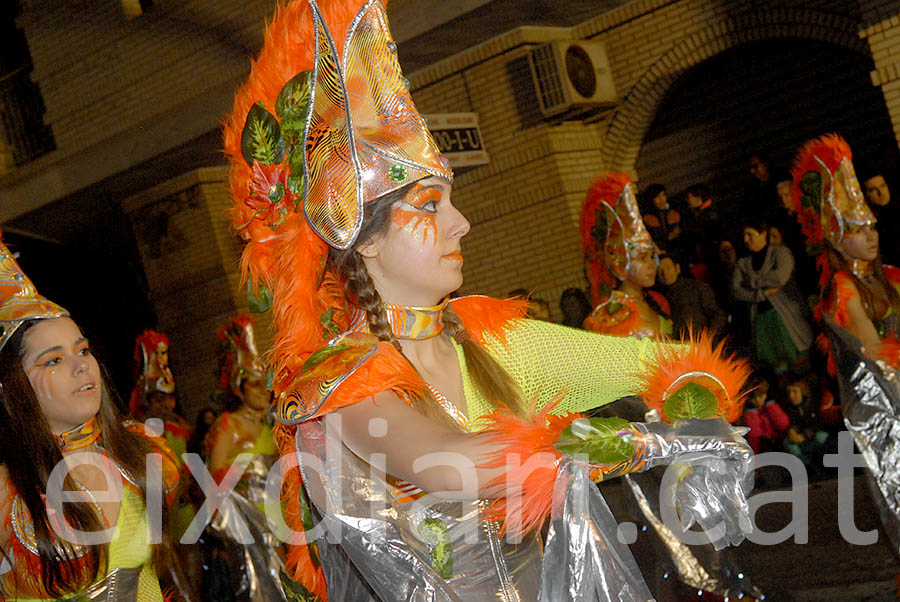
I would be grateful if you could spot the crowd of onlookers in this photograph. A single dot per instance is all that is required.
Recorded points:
(713, 257)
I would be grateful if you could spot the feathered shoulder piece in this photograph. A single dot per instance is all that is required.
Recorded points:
(602, 196)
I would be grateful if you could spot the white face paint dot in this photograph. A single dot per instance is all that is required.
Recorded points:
(378, 427)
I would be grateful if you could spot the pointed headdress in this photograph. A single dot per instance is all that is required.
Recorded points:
(151, 354)
(19, 300)
(612, 232)
(827, 196)
(238, 359)
(324, 125)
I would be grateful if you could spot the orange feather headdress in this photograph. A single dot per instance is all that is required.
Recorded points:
(827, 196)
(151, 356)
(612, 232)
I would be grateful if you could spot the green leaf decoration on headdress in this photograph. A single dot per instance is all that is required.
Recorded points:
(292, 106)
(320, 355)
(261, 138)
(691, 401)
(596, 438)
(811, 185)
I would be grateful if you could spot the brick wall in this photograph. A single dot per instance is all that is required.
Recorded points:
(524, 205)
(101, 72)
(191, 261)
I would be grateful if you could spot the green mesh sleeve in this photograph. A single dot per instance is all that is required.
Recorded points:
(546, 358)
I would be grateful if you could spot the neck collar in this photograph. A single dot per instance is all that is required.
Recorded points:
(415, 323)
(860, 267)
(78, 437)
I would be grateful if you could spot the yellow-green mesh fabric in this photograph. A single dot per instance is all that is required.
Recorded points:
(129, 547)
(546, 358)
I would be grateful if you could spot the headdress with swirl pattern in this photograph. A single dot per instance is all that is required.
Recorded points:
(19, 300)
(612, 233)
(827, 196)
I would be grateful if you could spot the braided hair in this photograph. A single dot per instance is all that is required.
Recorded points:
(489, 377)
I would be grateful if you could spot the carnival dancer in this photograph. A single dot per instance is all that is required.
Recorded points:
(860, 303)
(404, 408)
(618, 248)
(64, 433)
(621, 260)
(243, 434)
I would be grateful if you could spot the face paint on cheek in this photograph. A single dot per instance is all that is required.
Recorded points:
(42, 382)
(416, 224)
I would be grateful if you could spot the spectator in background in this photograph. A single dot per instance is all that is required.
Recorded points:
(701, 218)
(885, 210)
(763, 282)
(786, 231)
(662, 221)
(575, 307)
(765, 419)
(693, 303)
(539, 310)
(761, 200)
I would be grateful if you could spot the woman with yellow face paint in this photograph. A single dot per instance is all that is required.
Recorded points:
(404, 408)
(58, 416)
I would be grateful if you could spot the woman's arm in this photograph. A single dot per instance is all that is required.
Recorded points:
(861, 326)
(410, 442)
(739, 290)
(781, 273)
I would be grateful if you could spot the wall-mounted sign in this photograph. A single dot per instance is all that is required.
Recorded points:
(458, 137)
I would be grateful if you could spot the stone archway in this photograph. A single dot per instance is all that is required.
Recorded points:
(633, 117)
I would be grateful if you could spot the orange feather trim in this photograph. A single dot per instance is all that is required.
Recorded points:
(483, 316)
(699, 354)
(288, 260)
(299, 563)
(529, 489)
(605, 190)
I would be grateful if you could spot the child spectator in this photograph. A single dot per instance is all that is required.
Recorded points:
(765, 418)
(805, 436)
(575, 307)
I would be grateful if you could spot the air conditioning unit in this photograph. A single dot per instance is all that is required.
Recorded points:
(571, 74)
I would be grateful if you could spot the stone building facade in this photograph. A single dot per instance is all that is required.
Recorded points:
(134, 94)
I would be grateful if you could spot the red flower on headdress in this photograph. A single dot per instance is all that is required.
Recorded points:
(269, 198)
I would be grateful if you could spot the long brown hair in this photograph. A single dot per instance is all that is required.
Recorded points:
(62, 571)
(867, 296)
(489, 377)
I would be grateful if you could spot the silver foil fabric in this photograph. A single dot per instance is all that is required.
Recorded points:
(120, 585)
(373, 547)
(870, 402)
(240, 520)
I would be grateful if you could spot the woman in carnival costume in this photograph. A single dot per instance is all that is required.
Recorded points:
(403, 408)
(242, 435)
(64, 433)
(860, 306)
(617, 247)
(154, 392)
(621, 261)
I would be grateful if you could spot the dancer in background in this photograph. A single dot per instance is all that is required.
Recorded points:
(386, 389)
(621, 255)
(617, 247)
(57, 411)
(243, 435)
(860, 307)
